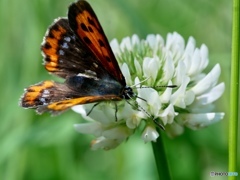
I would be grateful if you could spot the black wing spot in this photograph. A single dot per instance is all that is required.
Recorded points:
(84, 27)
(51, 34)
(101, 43)
(87, 40)
(108, 58)
(47, 45)
(90, 21)
(48, 59)
(53, 28)
(56, 27)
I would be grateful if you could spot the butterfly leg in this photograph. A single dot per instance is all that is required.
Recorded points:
(141, 98)
(93, 108)
(158, 124)
(139, 108)
(116, 110)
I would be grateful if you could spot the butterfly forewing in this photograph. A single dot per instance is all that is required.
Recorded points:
(64, 54)
(85, 24)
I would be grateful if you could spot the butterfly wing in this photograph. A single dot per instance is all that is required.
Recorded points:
(66, 55)
(85, 24)
(57, 97)
(78, 44)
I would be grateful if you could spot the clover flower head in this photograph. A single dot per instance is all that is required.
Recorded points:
(147, 65)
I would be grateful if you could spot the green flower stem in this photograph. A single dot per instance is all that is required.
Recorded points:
(161, 159)
(234, 95)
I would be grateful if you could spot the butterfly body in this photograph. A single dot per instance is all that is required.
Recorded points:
(77, 50)
(84, 86)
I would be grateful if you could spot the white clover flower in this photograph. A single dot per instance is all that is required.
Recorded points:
(152, 63)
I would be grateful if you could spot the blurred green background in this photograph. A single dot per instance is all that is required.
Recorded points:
(44, 147)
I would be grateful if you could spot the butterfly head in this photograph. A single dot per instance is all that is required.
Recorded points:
(128, 93)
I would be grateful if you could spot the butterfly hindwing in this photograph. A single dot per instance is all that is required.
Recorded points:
(85, 24)
(56, 97)
(44, 93)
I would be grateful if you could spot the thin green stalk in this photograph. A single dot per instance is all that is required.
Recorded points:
(234, 95)
(161, 159)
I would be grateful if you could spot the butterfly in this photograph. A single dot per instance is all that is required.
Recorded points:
(76, 49)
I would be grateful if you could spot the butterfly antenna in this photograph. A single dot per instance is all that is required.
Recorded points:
(163, 86)
(140, 82)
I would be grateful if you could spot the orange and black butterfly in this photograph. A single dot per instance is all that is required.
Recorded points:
(76, 49)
